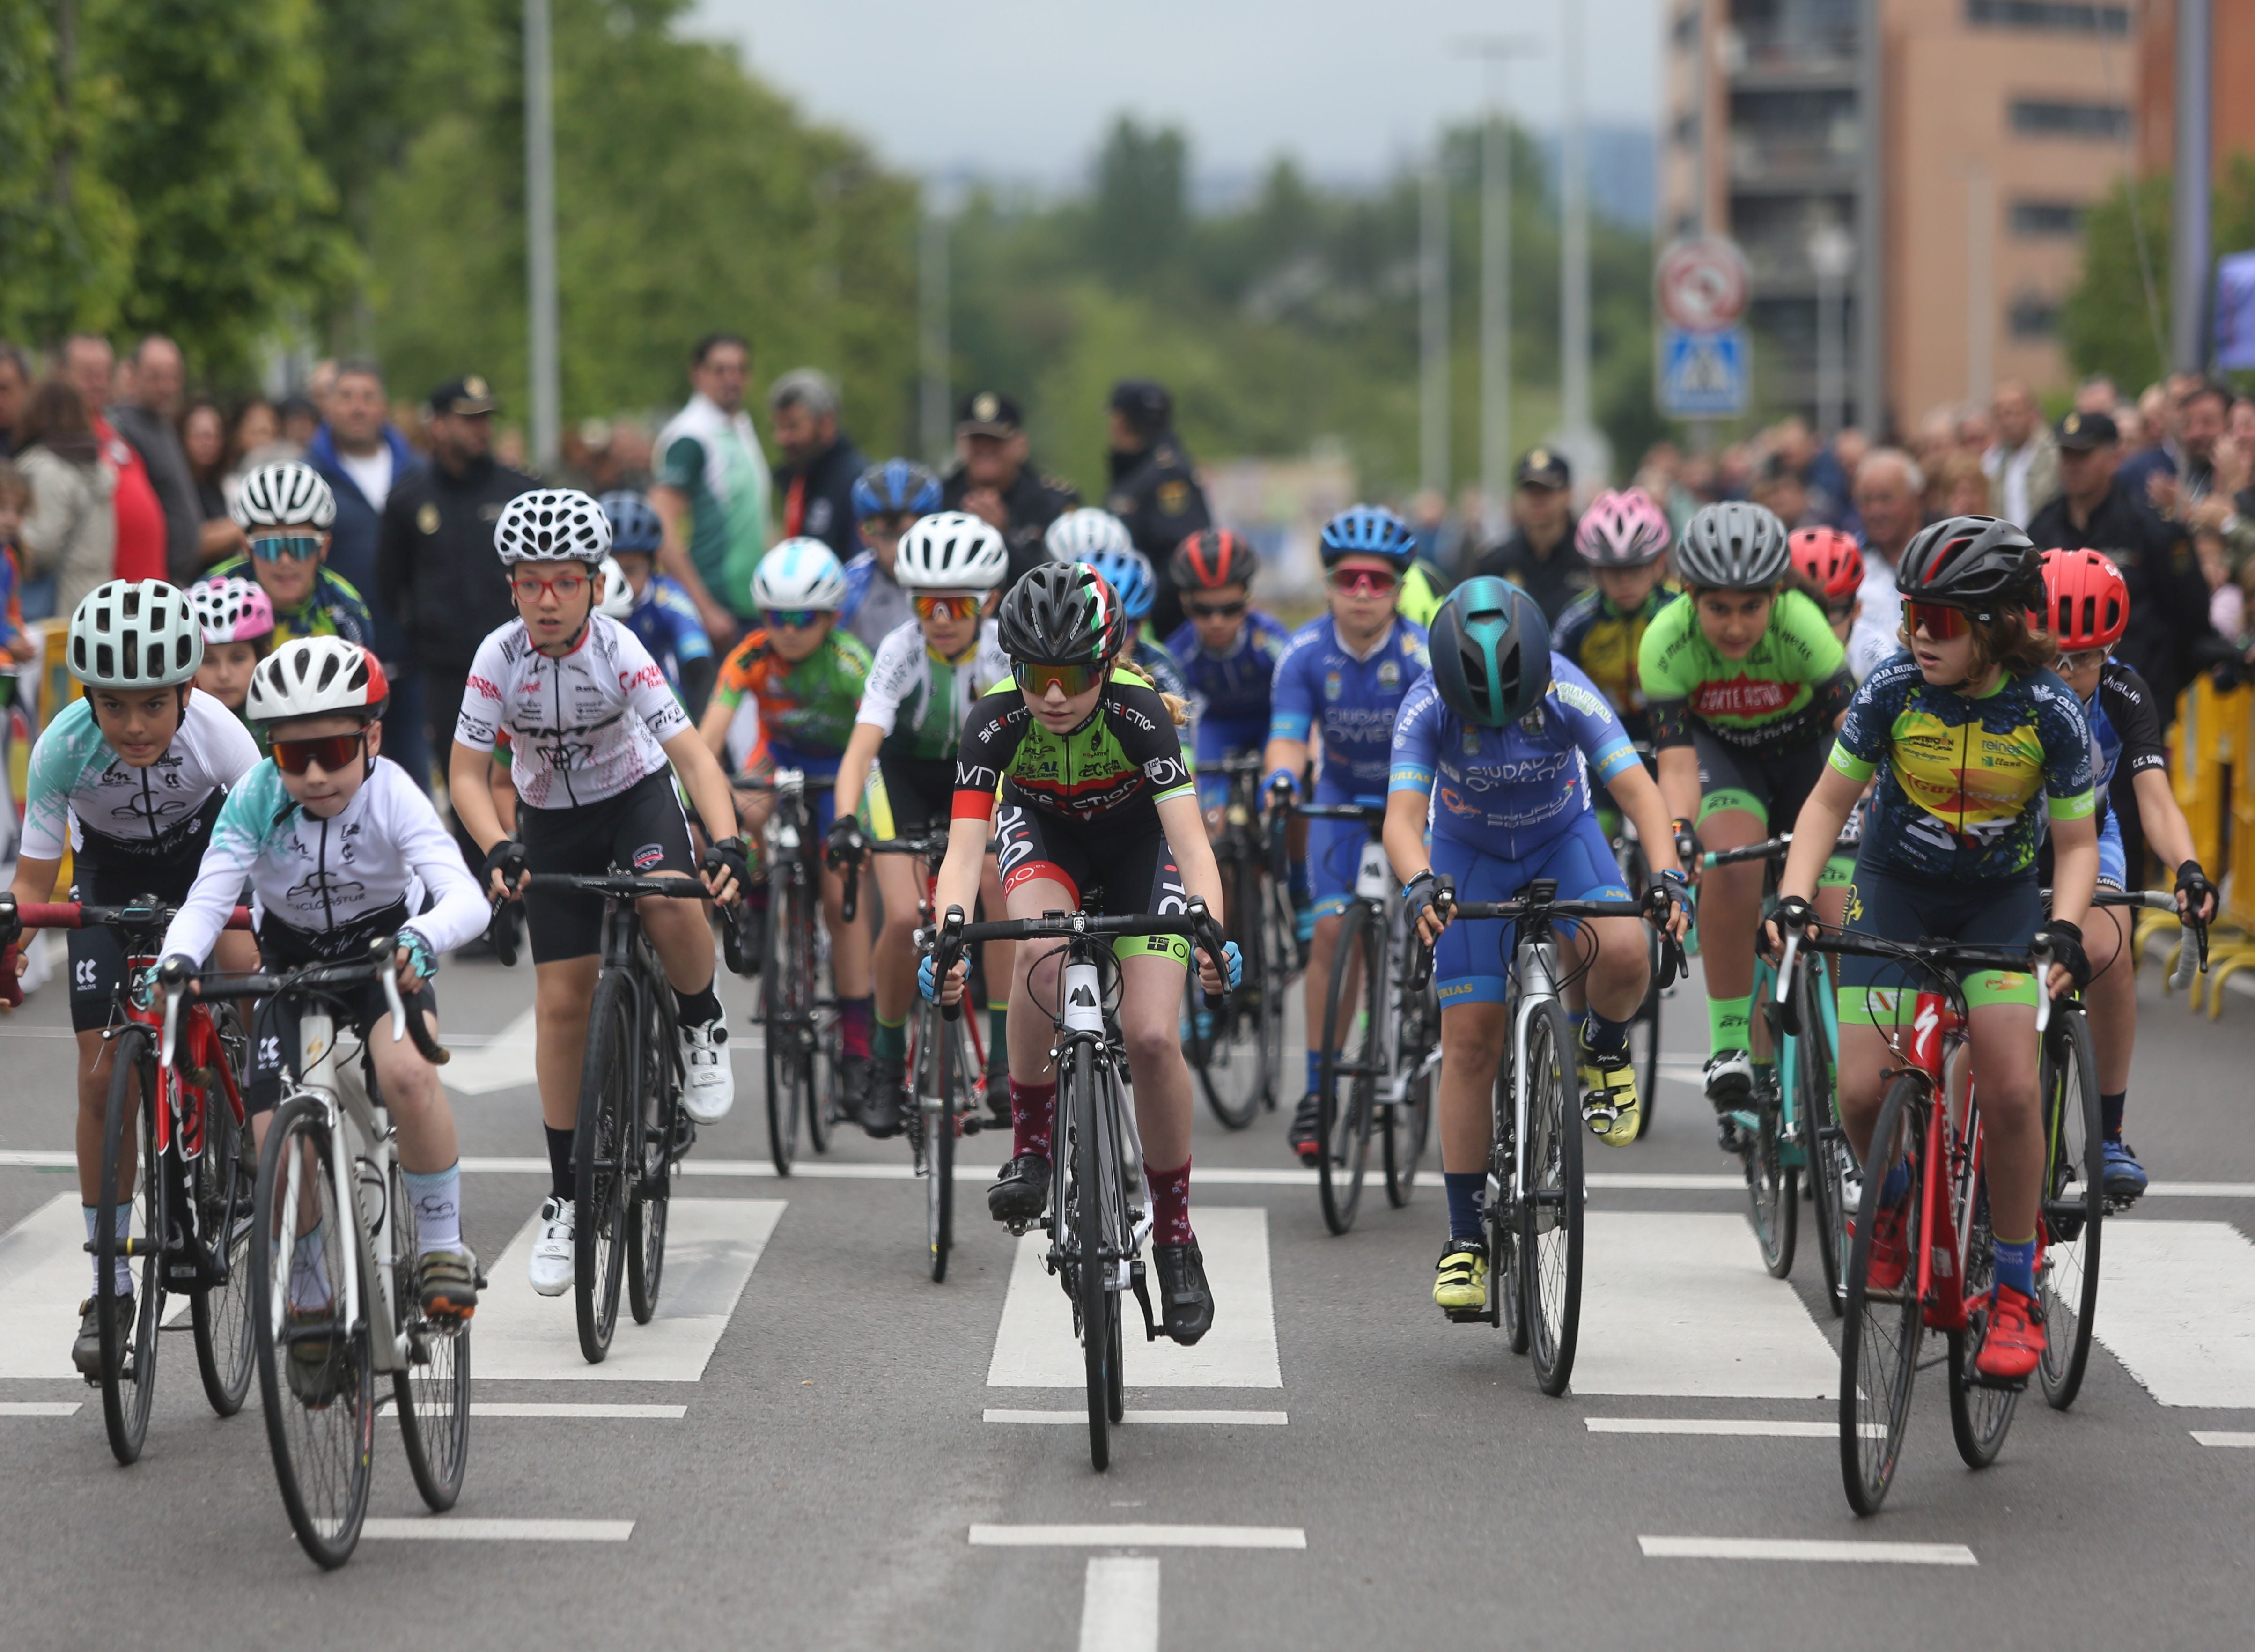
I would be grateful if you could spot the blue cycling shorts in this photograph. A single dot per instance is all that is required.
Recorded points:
(1218, 739)
(2113, 863)
(1471, 961)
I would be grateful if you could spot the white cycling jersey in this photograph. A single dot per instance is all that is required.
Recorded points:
(580, 728)
(922, 703)
(333, 885)
(80, 795)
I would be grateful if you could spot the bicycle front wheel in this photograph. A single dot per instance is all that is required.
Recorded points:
(1825, 1145)
(1550, 1205)
(662, 1120)
(939, 1090)
(2074, 1203)
(1885, 1324)
(1235, 1065)
(315, 1378)
(129, 1346)
(1980, 1414)
(603, 1153)
(1086, 1222)
(1409, 1120)
(1347, 1080)
(224, 1182)
(789, 990)
(433, 1395)
(1773, 1187)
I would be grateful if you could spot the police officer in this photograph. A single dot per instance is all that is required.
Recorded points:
(992, 481)
(1153, 490)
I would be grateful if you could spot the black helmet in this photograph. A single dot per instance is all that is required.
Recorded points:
(1733, 546)
(1491, 652)
(1062, 613)
(1981, 564)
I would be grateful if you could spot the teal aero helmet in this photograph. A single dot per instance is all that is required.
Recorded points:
(1491, 652)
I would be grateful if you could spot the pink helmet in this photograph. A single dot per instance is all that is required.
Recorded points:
(232, 610)
(1623, 529)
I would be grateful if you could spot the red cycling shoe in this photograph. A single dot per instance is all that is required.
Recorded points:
(2013, 1344)
(1890, 1255)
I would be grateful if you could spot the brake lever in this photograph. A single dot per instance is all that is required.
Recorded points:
(173, 996)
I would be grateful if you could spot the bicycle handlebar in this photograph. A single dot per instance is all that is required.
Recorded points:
(1369, 814)
(1673, 964)
(618, 886)
(78, 915)
(377, 967)
(2190, 959)
(1195, 925)
(1934, 955)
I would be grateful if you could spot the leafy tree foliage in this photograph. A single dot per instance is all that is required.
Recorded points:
(2105, 320)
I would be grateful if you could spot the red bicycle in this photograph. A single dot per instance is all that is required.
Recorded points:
(194, 1203)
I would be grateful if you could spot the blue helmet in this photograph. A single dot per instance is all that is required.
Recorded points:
(1369, 531)
(1130, 573)
(1491, 652)
(897, 488)
(634, 526)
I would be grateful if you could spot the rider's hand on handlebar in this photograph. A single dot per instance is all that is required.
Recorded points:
(2070, 967)
(1668, 906)
(2195, 895)
(1689, 851)
(727, 867)
(1225, 979)
(938, 990)
(1791, 912)
(414, 963)
(505, 870)
(845, 842)
(11, 922)
(179, 971)
(1431, 900)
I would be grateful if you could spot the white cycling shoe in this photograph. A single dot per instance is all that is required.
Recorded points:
(709, 1083)
(551, 1266)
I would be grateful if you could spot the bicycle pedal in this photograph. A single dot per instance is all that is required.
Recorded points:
(1981, 1379)
(1468, 1316)
(1019, 1226)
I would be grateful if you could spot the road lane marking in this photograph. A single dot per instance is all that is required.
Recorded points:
(711, 1245)
(1250, 1419)
(1120, 1604)
(2227, 1437)
(2176, 1305)
(1035, 1346)
(1677, 1304)
(1806, 1549)
(1130, 1535)
(512, 1407)
(39, 1407)
(1768, 1427)
(458, 1528)
(503, 1062)
(44, 1274)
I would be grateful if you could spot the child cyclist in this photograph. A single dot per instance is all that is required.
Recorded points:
(128, 782)
(1973, 741)
(285, 512)
(887, 500)
(928, 677)
(593, 727)
(1493, 752)
(2086, 610)
(341, 849)
(1226, 649)
(1093, 790)
(1340, 682)
(238, 628)
(660, 611)
(1624, 537)
(796, 682)
(1833, 564)
(1745, 682)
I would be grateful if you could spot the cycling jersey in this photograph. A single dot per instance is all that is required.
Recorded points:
(1784, 693)
(1960, 777)
(807, 709)
(923, 701)
(1126, 756)
(665, 622)
(80, 795)
(1166, 676)
(324, 888)
(1603, 641)
(1423, 590)
(1353, 698)
(582, 727)
(1509, 792)
(875, 605)
(333, 607)
(2126, 726)
(1233, 687)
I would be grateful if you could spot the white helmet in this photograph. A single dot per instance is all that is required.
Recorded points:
(951, 550)
(552, 524)
(799, 574)
(317, 677)
(1083, 535)
(135, 634)
(291, 495)
(616, 597)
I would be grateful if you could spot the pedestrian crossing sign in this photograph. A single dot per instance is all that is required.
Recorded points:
(1703, 374)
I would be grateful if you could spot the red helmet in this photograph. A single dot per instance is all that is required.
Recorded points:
(2086, 604)
(1829, 560)
(1212, 557)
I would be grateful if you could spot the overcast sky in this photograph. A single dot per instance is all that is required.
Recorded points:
(1016, 88)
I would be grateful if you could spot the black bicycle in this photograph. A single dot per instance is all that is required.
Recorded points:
(798, 1023)
(1238, 1056)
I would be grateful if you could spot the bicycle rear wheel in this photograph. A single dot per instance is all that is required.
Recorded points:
(659, 1105)
(603, 1150)
(128, 1351)
(1980, 1414)
(433, 1395)
(1082, 1212)
(1772, 1185)
(1409, 1120)
(1883, 1328)
(939, 1092)
(1551, 1207)
(1235, 1065)
(2074, 1203)
(315, 1378)
(1825, 1145)
(223, 1182)
(1347, 1080)
(790, 999)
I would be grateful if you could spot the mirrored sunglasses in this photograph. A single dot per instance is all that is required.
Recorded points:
(333, 752)
(293, 547)
(1071, 679)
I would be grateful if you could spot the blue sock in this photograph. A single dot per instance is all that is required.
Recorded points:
(1897, 1185)
(1468, 1198)
(1295, 881)
(1607, 1036)
(2016, 1265)
(1315, 1070)
(2110, 1113)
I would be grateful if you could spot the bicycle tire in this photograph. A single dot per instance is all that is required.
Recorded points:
(1409, 1122)
(2074, 1203)
(433, 1395)
(322, 1445)
(651, 1201)
(936, 1103)
(129, 1367)
(820, 1076)
(1550, 1212)
(787, 995)
(602, 1150)
(1507, 1299)
(1083, 1214)
(1227, 1049)
(1824, 1144)
(1343, 1158)
(1979, 1415)
(1880, 1336)
(1772, 1185)
(224, 1182)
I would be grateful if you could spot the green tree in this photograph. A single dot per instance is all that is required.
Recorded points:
(66, 233)
(2105, 321)
(1141, 206)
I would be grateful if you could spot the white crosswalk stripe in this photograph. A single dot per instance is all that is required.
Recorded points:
(44, 1275)
(2176, 1305)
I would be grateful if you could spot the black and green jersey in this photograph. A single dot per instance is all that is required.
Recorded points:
(1127, 755)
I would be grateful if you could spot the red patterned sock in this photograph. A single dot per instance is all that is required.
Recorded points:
(1170, 1204)
(1032, 1106)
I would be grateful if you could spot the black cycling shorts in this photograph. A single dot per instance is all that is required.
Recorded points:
(2000, 913)
(914, 797)
(1127, 863)
(1771, 786)
(642, 831)
(274, 1037)
(97, 953)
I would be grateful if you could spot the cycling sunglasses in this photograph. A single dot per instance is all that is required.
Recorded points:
(333, 752)
(965, 605)
(1363, 582)
(1215, 610)
(2083, 659)
(1939, 621)
(566, 586)
(796, 619)
(1071, 679)
(293, 547)
(1840, 610)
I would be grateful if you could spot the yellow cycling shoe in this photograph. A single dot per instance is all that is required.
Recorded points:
(1460, 1280)
(1609, 1106)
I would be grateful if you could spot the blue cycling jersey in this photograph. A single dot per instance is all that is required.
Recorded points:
(1509, 792)
(1233, 687)
(666, 621)
(1354, 698)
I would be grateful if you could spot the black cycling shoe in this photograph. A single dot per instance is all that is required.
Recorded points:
(1185, 1300)
(86, 1352)
(1021, 1193)
(1305, 1137)
(998, 1093)
(853, 1085)
(879, 1106)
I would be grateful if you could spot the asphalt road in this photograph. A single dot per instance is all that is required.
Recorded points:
(822, 1470)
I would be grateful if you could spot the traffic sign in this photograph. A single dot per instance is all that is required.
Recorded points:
(1702, 283)
(1703, 374)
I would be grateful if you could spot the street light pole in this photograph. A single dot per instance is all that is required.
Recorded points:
(1832, 254)
(1574, 249)
(540, 235)
(1433, 319)
(2189, 258)
(1496, 278)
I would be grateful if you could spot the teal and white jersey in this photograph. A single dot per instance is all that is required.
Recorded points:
(714, 458)
(922, 702)
(82, 795)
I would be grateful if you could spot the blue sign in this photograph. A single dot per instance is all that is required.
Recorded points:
(2235, 312)
(1703, 374)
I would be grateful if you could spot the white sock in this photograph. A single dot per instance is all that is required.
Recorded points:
(121, 1225)
(309, 1277)
(438, 1200)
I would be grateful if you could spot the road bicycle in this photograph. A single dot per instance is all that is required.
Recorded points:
(631, 1133)
(1535, 1193)
(798, 1023)
(1239, 1057)
(186, 1129)
(333, 1293)
(1099, 1209)
(1381, 1036)
(1644, 1026)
